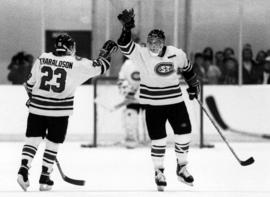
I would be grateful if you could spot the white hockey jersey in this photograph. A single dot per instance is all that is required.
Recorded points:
(130, 72)
(54, 79)
(160, 84)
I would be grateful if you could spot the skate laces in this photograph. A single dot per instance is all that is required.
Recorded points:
(183, 170)
(24, 172)
(160, 176)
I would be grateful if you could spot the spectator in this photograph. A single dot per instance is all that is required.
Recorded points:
(208, 54)
(228, 52)
(219, 61)
(260, 60)
(247, 45)
(266, 71)
(199, 67)
(213, 73)
(260, 57)
(230, 71)
(268, 53)
(250, 75)
(20, 68)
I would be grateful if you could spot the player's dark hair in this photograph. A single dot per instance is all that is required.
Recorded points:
(156, 33)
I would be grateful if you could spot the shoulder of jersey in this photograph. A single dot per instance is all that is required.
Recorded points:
(174, 49)
(128, 62)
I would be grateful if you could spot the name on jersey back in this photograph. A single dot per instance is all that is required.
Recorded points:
(53, 62)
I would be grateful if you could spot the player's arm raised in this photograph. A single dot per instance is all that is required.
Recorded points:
(126, 44)
(104, 57)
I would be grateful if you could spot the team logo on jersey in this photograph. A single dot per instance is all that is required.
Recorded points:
(164, 68)
(135, 76)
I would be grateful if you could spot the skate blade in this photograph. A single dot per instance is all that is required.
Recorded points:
(160, 188)
(45, 187)
(23, 185)
(183, 181)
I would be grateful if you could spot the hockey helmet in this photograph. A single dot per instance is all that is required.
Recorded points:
(65, 44)
(155, 41)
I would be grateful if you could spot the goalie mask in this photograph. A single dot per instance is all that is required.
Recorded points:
(65, 44)
(155, 41)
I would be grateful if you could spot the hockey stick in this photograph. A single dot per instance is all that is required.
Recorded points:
(103, 105)
(247, 162)
(115, 107)
(211, 103)
(66, 178)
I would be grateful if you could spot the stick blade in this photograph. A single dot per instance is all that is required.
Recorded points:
(74, 181)
(266, 136)
(211, 103)
(249, 161)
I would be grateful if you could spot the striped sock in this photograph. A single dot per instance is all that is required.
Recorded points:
(158, 149)
(182, 147)
(50, 155)
(29, 150)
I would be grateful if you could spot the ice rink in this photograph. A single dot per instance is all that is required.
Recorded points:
(119, 172)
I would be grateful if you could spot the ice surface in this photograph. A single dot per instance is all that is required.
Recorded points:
(118, 172)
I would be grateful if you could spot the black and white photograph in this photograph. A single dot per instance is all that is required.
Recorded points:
(135, 98)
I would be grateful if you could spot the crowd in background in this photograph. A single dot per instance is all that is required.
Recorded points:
(20, 67)
(221, 67)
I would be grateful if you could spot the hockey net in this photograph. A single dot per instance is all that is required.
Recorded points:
(108, 124)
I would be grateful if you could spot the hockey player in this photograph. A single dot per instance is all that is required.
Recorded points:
(128, 84)
(51, 87)
(160, 91)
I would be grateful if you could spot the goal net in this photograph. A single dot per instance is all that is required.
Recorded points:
(108, 124)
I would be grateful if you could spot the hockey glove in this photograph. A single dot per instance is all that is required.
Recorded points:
(108, 48)
(29, 93)
(193, 91)
(127, 19)
(28, 103)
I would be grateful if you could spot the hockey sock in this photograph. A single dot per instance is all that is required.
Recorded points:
(158, 149)
(29, 150)
(49, 155)
(181, 147)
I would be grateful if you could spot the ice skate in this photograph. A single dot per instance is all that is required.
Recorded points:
(45, 182)
(22, 178)
(183, 175)
(160, 180)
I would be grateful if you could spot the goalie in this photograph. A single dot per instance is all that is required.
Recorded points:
(128, 84)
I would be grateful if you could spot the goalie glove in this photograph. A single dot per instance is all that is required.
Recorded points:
(127, 19)
(108, 48)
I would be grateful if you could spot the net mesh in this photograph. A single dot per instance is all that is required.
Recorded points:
(109, 123)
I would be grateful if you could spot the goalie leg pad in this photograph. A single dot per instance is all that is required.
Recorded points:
(130, 125)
